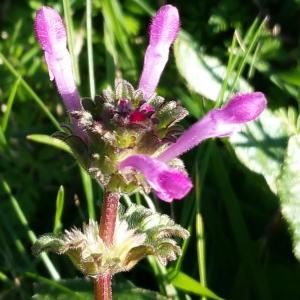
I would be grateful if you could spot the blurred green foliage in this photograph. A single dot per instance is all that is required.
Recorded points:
(242, 244)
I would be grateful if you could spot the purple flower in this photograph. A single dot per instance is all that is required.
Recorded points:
(168, 183)
(154, 121)
(51, 35)
(218, 123)
(163, 31)
(172, 184)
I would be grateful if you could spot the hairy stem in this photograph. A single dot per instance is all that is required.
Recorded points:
(106, 231)
(103, 289)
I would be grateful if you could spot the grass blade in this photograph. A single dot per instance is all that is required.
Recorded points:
(253, 43)
(10, 102)
(114, 20)
(201, 250)
(110, 52)
(70, 36)
(230, 66)
(30, 91)
(89, 37)
(31, 235)
(187, 283)
(142, 4)
(88, 190)
(60, 199)
(3, 141)
(251, 37)
(49, 140)
(17, 242)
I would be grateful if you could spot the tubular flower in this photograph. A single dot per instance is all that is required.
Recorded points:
(218, 123)
(167, 182)
(132, 137)
(163, 31)
(51, 34)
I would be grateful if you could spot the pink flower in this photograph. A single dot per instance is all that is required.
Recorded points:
(222, 122)
(51, 35)
(172, 184)
(163, 31)
(168, 183)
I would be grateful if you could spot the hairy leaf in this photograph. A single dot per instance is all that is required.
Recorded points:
(289, 190)
(261, 145)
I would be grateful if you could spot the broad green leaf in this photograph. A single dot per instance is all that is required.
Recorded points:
(49, 140)
(184, 282)
(261, 144)
(289, 190)
(204, 74)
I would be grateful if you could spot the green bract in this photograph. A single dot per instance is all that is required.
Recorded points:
(139, 232)
(118, 124)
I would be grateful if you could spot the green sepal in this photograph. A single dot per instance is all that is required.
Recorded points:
(123, 90)
(88, 104)
(109, 133)
(167, 115)
(156, 101)
(79, 148)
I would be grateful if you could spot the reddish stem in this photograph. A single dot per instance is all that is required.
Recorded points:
(103, 289)
(108, 218)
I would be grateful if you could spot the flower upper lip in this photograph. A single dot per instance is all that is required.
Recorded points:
(163, 31)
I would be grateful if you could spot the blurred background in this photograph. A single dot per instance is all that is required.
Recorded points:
(244, 211)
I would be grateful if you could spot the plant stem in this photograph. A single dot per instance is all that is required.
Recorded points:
(200, 233)
(103, 289)
(108, 218)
